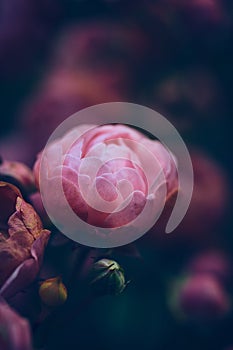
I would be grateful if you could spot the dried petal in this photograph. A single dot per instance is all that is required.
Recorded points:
(8, 195)
(27, 271)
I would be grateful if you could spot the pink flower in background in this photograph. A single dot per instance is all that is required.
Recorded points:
(109, 173)
(203, 297)
(18, 172)
(213, 262)
(102, 45)
(202, 294)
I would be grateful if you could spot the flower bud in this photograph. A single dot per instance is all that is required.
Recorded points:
(53, 292)
(107, 278)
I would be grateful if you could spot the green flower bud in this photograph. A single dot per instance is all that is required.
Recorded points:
(53, 292)
(107, 277)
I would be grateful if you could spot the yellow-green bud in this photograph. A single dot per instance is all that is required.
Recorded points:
(107, 277)
(53, 292)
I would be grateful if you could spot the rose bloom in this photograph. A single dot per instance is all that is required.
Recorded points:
(113, 163)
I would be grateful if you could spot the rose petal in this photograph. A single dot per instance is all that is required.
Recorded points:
(135, 204)
(106, 189)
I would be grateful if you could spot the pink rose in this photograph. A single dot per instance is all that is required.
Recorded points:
(109, 174)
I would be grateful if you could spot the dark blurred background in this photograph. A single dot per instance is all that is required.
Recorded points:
(175, 56)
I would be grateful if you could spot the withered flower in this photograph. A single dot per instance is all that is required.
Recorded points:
(22, 241)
